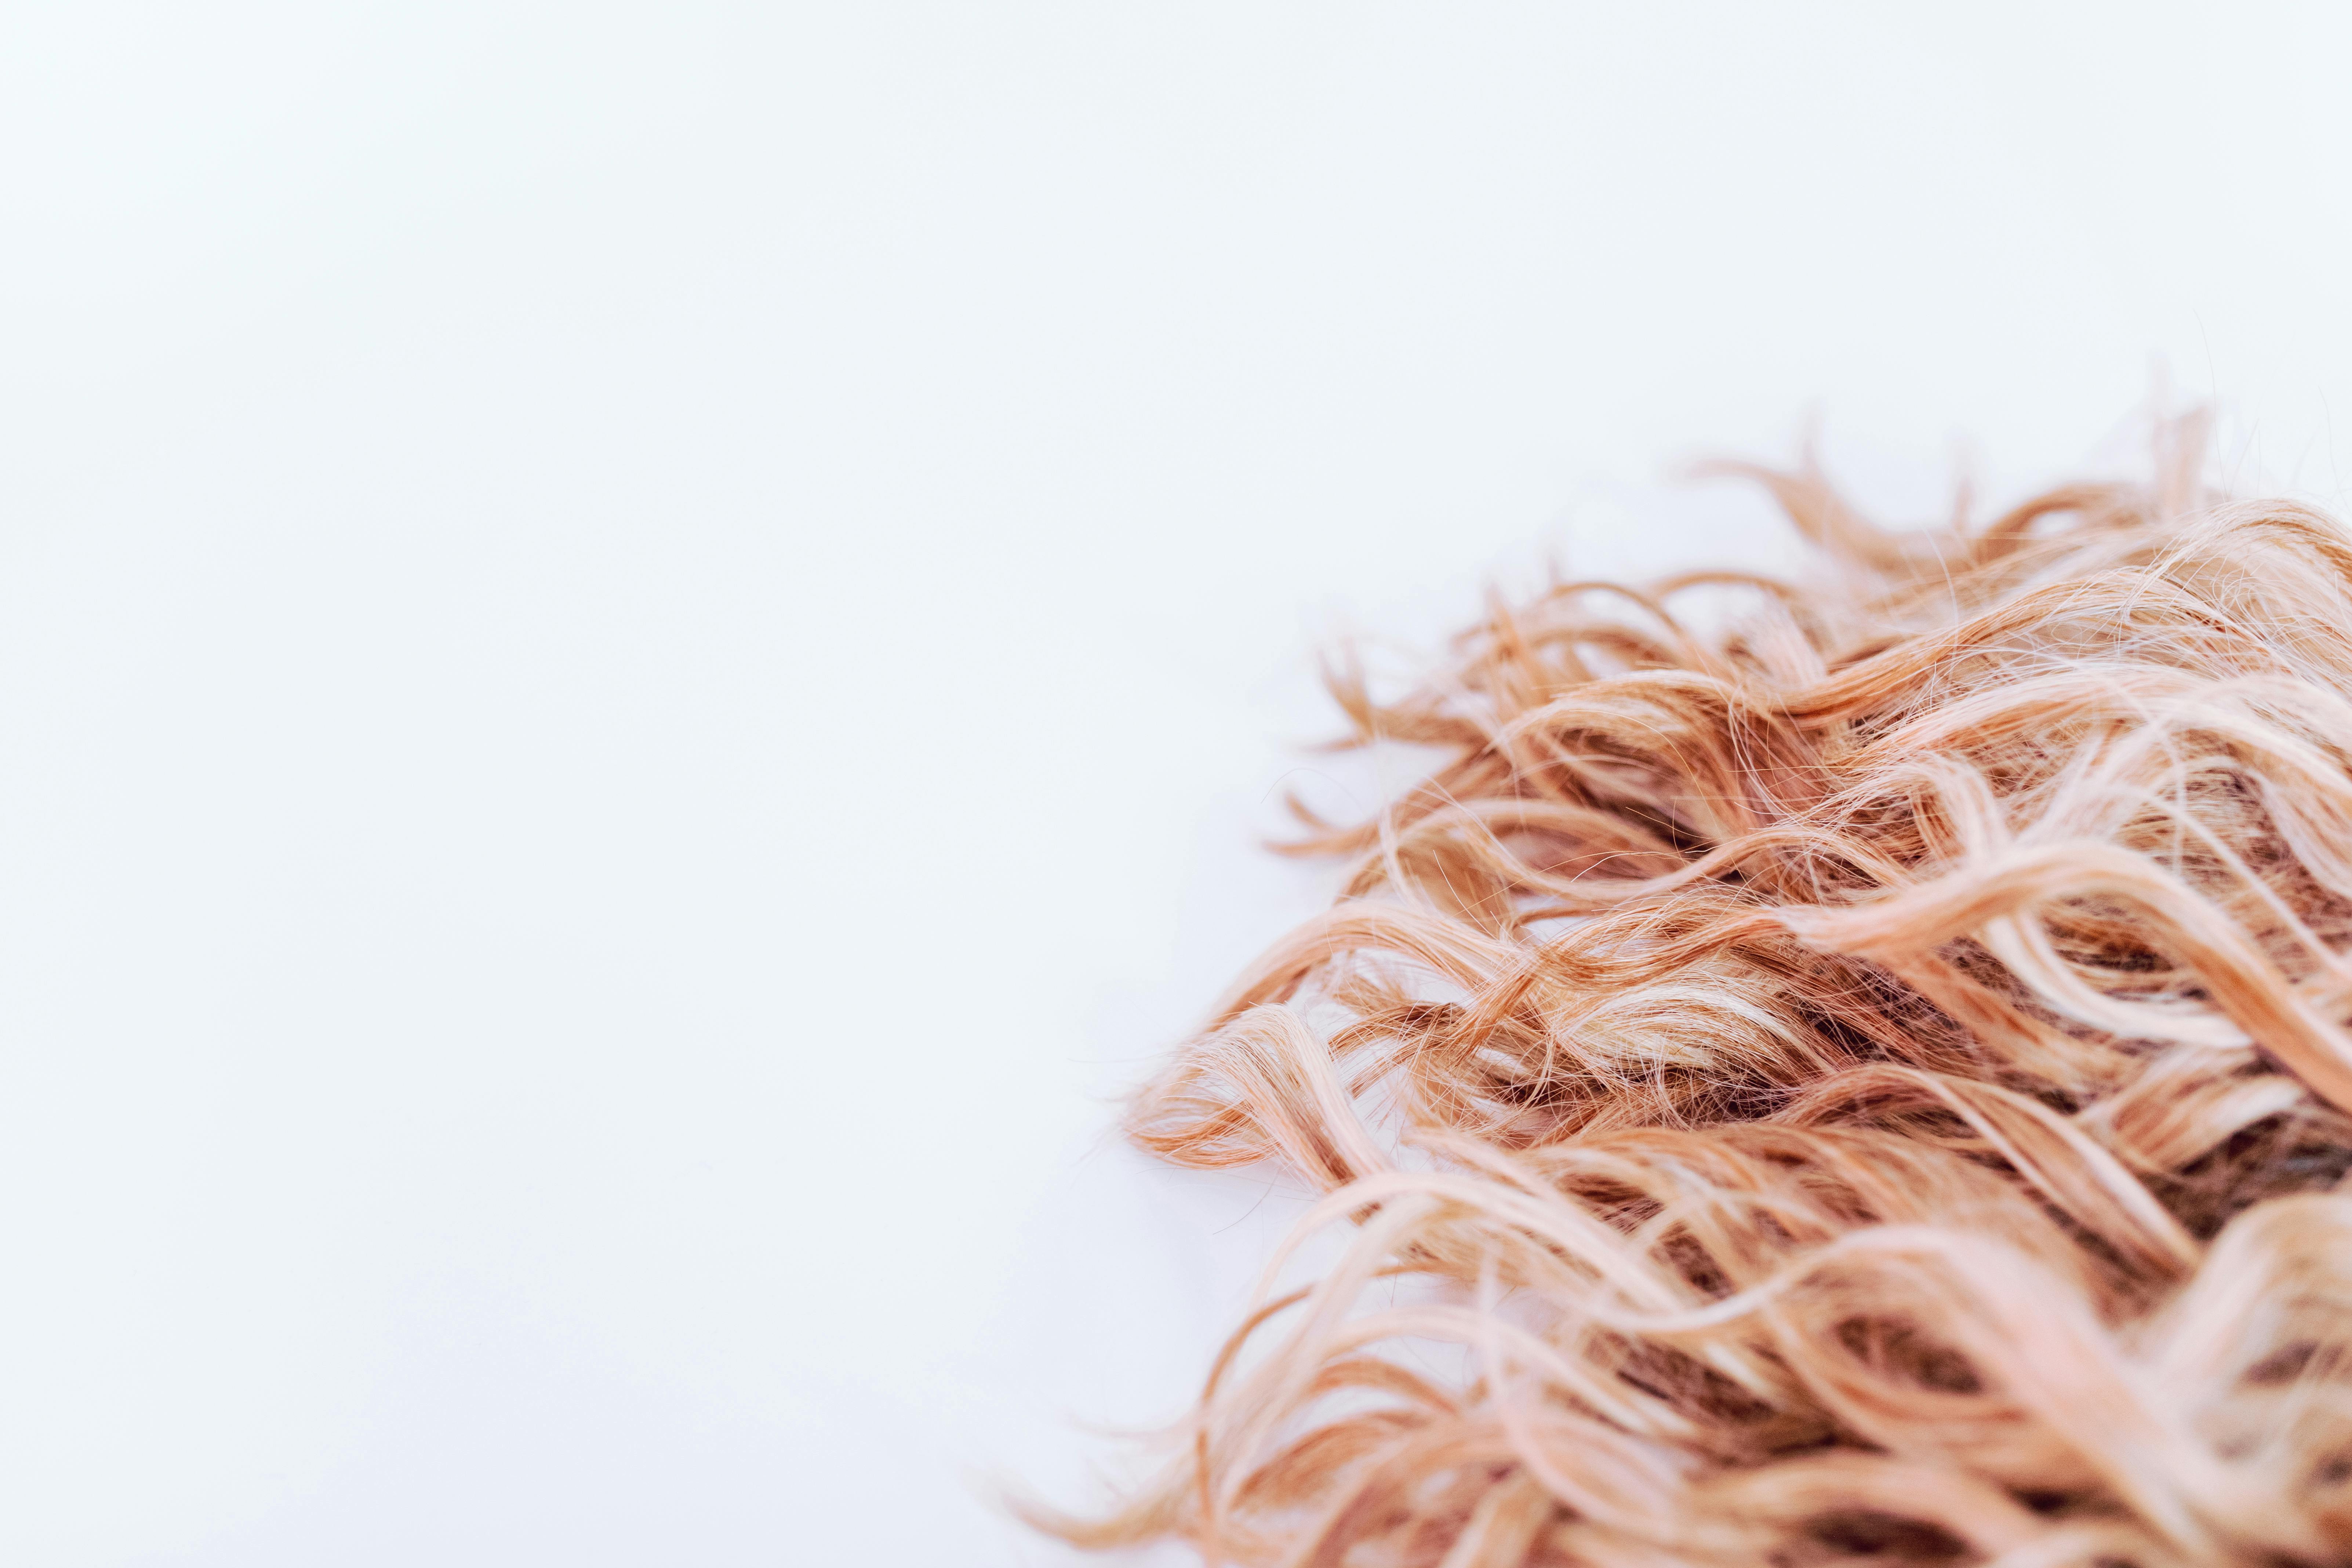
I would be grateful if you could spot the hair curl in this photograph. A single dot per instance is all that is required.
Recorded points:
(1867, 1083)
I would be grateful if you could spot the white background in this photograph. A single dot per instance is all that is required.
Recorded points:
(641, 650)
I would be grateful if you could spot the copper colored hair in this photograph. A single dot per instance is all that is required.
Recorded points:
(1858, 1079)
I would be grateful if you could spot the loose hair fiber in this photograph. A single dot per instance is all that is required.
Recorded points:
(1867, 1083)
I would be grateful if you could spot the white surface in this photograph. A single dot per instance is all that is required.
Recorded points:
(640, 649)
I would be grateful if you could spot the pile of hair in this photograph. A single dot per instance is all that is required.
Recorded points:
(1864, 1083)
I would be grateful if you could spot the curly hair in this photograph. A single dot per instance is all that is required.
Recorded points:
(1867, 1081)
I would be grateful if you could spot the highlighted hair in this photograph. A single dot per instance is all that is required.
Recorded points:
(1866, 1083)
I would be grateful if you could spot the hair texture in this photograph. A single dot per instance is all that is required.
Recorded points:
(1864, 1083)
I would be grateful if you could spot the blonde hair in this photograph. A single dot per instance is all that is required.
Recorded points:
(1867, 1083)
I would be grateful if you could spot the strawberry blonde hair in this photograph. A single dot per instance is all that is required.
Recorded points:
(1864, 1084)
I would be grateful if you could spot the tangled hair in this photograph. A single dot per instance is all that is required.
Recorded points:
(1865, 1082)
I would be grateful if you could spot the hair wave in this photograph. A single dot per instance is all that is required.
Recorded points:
(1864, 1083)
